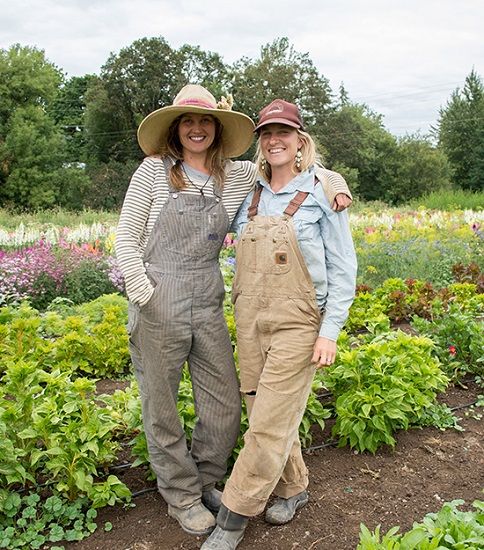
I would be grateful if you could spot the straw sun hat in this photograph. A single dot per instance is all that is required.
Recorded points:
(237, 133)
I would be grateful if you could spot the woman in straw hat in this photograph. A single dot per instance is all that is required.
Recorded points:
(294, 284)
(177, 211)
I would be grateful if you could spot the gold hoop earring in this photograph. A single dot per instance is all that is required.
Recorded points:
(298, 159)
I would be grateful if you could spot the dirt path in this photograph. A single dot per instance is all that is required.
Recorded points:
(427, 468)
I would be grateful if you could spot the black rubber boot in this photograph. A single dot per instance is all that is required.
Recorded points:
(229, 531)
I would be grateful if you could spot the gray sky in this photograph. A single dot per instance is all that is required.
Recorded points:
(401, 57)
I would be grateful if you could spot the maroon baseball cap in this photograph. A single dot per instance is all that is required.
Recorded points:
(280, 112)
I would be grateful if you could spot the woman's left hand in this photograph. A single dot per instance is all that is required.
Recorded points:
(324, 352)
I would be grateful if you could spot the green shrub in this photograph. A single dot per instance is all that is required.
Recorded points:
(459, 339)
(87, 282)
(450, 528)
(56, 430)
(381, 387)
(89, 339)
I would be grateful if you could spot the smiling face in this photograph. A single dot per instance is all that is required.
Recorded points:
(279, 145)
(196, 133)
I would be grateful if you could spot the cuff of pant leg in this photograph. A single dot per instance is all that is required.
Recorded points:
(235, 500)
(288, 490)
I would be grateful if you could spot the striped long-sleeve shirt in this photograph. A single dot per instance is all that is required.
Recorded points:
(146, 195)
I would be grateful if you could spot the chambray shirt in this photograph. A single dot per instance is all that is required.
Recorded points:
(325, 241)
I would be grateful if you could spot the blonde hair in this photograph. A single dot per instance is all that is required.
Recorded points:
(173, 148)
(308, 151)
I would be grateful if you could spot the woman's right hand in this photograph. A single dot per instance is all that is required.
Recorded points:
(341, 202)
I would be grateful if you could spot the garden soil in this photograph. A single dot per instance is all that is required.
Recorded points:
(393, 487)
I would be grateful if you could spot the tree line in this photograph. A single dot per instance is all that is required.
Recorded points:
(71, 142)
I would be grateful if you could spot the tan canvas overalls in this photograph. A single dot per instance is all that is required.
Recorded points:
(184, 321)
(277, 322)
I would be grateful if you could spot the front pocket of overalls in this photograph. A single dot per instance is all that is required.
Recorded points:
(132, 329)
(308, 310)
(246, 251)
(279, 257)
(212, 233)
(155, 279)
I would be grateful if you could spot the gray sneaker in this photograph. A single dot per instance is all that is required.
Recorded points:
(283, 509)
(221, 539)
(196, 520)
(212, 499)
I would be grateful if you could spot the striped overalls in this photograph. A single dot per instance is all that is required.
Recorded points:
(183, 321)
(277, 322)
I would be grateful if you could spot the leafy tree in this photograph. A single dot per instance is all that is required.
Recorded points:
(33, 173)
(460, 131)
(205, 68)
(26, 78)
(103, 131)
(109, 181)
(422, 168)
(139, 79)
(356, 142)
(68, 111)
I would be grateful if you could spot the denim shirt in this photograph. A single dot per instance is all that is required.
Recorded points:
(325, 241)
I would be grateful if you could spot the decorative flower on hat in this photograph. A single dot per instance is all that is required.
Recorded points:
(226, 103)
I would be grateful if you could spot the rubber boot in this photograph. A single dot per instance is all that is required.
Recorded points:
(212, 499)
(229, 531)
(284, 509)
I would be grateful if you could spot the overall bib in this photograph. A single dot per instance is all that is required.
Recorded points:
(277, 321)
(184, 321)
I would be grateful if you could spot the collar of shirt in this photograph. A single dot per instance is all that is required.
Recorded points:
(302, 182)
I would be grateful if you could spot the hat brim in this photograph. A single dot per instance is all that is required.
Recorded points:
(283, 121)
(237, 131)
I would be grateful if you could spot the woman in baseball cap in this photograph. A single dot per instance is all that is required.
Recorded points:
(294, 284)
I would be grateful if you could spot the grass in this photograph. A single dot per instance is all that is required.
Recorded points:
(416, 259)
(56, 217)
(457, 199)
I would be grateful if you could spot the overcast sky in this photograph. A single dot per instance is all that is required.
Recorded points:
(401, 57)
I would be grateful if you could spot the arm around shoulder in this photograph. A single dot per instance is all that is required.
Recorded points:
(335, 188)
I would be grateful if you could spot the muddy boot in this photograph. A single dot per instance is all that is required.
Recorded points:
(283, 509)
(212, 499)
(195, 520)
(229, 531)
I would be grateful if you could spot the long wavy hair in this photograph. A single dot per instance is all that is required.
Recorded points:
(174, 149)
(308, 152)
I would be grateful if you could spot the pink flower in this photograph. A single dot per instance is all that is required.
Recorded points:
(452, 350)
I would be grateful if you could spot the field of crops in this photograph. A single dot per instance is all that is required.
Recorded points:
(70, 417)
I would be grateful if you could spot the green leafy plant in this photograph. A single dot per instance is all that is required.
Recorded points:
(29, 522)
(459, 338)
(89, 339)
(450, 528)
(54, 428)
(381, 387)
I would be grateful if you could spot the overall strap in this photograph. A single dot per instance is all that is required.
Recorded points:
(291, 208)
(255, 202)
(295, 203)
